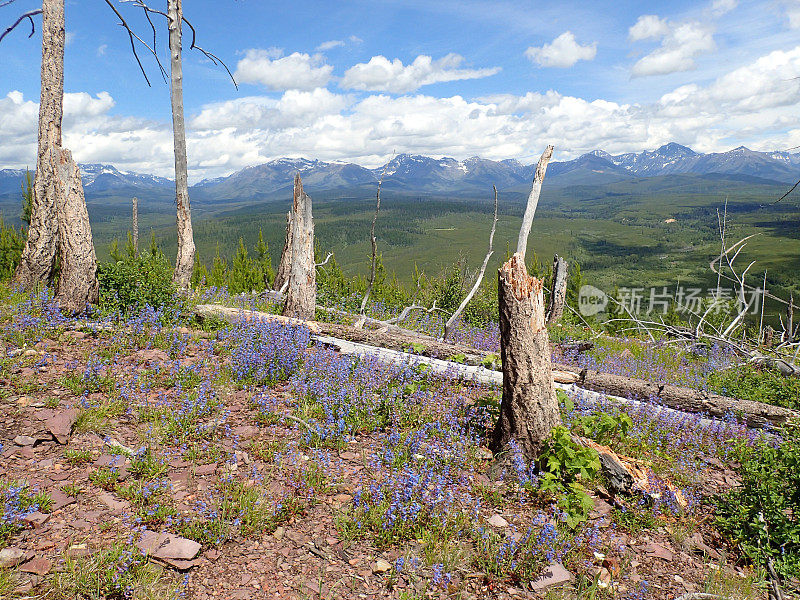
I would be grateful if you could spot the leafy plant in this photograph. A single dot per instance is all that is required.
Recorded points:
(563, 463)
(131, 281)
(763, 514)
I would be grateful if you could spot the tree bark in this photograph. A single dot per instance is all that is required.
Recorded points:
(38, 255)
(285, 264)
(301, 296)
(184, 262)
(558, 295)
(77, 280)
(529, 408)
(533, 201)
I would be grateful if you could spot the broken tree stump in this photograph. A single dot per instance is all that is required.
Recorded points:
(301, 295)
(529, 408)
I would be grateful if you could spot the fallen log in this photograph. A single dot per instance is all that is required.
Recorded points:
(755, 414)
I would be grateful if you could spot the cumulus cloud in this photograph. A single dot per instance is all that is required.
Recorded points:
(756, 104)
(269, 68)
(564, 51)
(382, 75)
(681, 43)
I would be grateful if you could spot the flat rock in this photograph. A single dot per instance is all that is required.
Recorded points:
(497, 521)
(206, 469)
(36, 519)
(166, 546)
(60, 499)
(60, 424)
(25, 440)
(11, 557)
(115, 505)
(658, 551)
(246, 431)
(37, 566)
(554, 574)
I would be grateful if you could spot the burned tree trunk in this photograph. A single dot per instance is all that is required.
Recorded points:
(77, 280)
(184, 262)
(301, 296)
(285, 264)
(529, 408)
(38, 255)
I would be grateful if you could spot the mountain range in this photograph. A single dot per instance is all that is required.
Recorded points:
(422, 175)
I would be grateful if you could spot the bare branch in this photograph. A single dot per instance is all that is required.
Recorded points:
(448, 327)
(193, 46)
(132, 36)
(27, 15)
(782, 197)
(374, 242)
(533, 201)
(325, 262)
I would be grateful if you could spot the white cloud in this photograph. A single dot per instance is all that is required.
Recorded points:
(720, 7)
(681, 43)
(382, 75)
(69, 37)
(564, 51)
(101, 49)
(269, 68)
(647, 27)
(757, 105)
(329, 45)
(793, 13)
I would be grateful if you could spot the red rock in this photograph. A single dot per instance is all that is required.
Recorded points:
(206, 469)
(166, 546)
(36, 519)
(60, 425)
(60, 499)
(658, 551)
(37, 566)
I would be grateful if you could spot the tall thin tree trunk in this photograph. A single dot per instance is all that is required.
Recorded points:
(529, 408)
(285, 264)
(184, 263)
(38, 255)
(77, 279)
(301, 297)
(135, 225)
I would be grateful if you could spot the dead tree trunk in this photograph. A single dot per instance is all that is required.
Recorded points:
(135, 225)
(184, 262)
(301, 296)
(285, 264)
(558, 294)
(529, 408)
(38, 256)
(77, 280)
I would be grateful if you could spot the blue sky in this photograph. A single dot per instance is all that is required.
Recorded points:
(358, 80)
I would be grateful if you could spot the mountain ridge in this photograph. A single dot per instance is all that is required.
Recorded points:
(418, 174)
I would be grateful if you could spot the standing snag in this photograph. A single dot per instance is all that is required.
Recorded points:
(38, 256)
(77, 279)
(301, 296)
(184, 262)
(529, 407)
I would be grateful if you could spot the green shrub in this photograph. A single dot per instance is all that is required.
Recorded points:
(747, 382)
(763, 514)
(130, 281)
(564, 464)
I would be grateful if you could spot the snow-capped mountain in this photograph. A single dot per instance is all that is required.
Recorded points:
(107, 177)
(414, 174)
